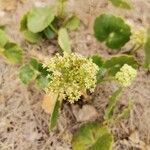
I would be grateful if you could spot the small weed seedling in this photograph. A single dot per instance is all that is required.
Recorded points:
(8, 49)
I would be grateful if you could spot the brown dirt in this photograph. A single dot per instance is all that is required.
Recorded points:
(23, 124)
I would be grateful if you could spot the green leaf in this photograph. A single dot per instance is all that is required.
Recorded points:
(41, 80)
(34, 71)
(34, 63)
(26, 74)
(63, 40)
(49, 33)
(38, 66)
(104, 143)
(92, 136)
(114, 64)
(72, 22)
(13, 52)
(39, 18)
(147, 50)
(55, 113)
(111, 104)
(112, 30)
(98, 60)
(28, 35)
(121, 3)
(3, 38)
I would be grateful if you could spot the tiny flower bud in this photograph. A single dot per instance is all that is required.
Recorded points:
(126, 75)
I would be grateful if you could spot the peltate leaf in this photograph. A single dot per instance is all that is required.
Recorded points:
(114, 64)
(147, 50)
(63, 40)
(91, 136)
(72, 22)
(112, 30)
(28, 35)
(55, 113)
(111, 104)
(12, 52)
(39, 18)
(121, 3)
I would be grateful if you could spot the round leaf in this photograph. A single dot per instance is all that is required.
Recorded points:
(92, 136)
(39, 18)
(112, 30)
(13, 52)
(28, 35)
(116, 62)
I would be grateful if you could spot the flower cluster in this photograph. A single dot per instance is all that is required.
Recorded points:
(126, 75)
(72, 75)
(139, 37)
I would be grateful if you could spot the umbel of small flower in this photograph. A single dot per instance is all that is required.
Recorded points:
(126, 75)
(72, 75)
(139, 37)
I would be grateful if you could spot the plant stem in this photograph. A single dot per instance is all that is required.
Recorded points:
(135, 49)
(61, 8)
(108, 79)
(53, 28)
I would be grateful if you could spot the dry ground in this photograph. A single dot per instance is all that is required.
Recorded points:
(23, 124)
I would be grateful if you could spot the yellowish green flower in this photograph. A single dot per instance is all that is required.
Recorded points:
(72, 75)
(126, 75)
(139, 37)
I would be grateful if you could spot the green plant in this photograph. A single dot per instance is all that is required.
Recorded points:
(72, 75)
(92, 136)
(33, 71)
(69, 75)
(121, 4)
(95, 135)
(49, 22)
(8, 49)
(116, 33)
(112, 30)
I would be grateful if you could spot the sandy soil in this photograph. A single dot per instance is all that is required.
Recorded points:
(23, 123)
